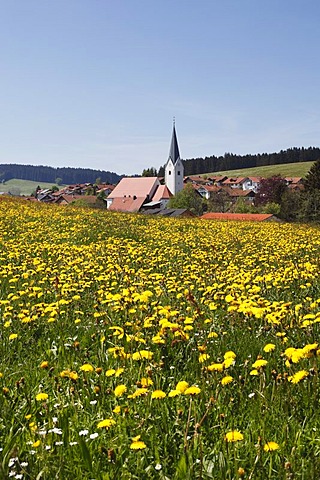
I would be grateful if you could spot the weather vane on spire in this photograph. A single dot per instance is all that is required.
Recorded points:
(174, 121)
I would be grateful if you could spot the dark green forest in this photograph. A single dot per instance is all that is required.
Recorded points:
(230, 161)
(67, 175)
(192, 166)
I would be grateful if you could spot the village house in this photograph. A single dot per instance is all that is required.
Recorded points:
(132, 194)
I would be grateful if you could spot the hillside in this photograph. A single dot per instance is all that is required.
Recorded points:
(66, 175)
(17, 186)
(299, 169)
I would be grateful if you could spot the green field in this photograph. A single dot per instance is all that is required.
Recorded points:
(136, 348)
(17, 186)
(285, 170)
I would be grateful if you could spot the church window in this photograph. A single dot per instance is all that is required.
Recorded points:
(169, 172)
(178, 172)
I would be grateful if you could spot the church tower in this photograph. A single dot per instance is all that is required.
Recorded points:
(174, 170)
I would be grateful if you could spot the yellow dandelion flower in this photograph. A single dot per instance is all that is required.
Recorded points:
(36, 444)
(259, 363)
(229, 354)
(158, 394)
(120, 390)
(73, 375)
(138, 445)
(33, 427)
(42, 397)
(234, 436)
(117, 409)
(182, 386)
(212, 335)
(139, 393)
(44, 364)
(118, 372)
(310, 350)
(110, 372)
(174, 393)
(228, 362)
(270, 446)
(298, 377)
(87, 367)
(192, 391)
(269, 347)
(107, 423)
(216, 367)
(146, 382)
(203, 357)
(227, 379)
(254, 372)
(13, 336)
(142, 354)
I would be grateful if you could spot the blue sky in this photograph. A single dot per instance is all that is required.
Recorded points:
(96, 83)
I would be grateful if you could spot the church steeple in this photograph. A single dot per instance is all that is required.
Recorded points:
(174, 153)
(174, 167)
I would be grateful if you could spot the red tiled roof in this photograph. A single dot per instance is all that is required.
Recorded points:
(293, 179)
(258, 217)
(210, 188)
(72, 198)
(135, 186)
(127, 204)
(162, 193)
(238, 192)
(234, 180)
(255, 179)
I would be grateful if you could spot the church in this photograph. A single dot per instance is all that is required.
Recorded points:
(132, 194)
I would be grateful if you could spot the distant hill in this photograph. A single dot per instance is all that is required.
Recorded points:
(66, 175)
(231, 161)
(17, 186)
(299, 169)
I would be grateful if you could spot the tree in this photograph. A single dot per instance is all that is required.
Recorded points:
(241, 206)
(219, 202)
(310, 197)
(290, 207)
(58, 180)
(54, 188)
(149, 172)
(271, 207)
(310, 205)
(312, 180)
(188, 198)
(271, 190)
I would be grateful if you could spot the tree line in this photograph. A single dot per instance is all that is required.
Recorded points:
(230, 161)
(65, 175)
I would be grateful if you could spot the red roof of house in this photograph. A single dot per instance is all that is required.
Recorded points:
(234, 180)
(162, 193)
(293, 179)
(257, 217)
(238, 192)
(72, 198)
(135, 186)
(127, 204)
(255, 179)
(210, 188)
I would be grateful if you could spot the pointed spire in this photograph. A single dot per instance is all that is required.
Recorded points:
(174, 153)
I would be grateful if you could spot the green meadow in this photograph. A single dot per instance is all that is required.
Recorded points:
(157, 348)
